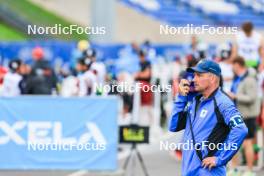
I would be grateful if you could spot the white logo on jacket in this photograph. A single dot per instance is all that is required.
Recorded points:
(203, 113)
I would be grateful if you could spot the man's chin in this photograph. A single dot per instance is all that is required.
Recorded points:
(196, 89)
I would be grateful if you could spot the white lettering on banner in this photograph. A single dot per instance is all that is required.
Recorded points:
(46, 132)
(38, 132)
(11, 132)
(94, 131)
(58, 137)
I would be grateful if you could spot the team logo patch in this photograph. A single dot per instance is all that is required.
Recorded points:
(203, 113)
(235, 121)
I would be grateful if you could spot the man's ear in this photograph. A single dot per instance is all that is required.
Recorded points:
(213, 77)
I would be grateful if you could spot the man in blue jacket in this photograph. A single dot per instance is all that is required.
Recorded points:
(214, 128)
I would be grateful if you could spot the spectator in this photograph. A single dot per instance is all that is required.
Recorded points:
(96, 66)
(42, 79)
(25, 70)
(125, 79)
(249, 45)
(151, 54)
(144, 77)
(82, 45)
(145, 69)
(244, 92)
(12, 79)
(86, 77)
(224, 53)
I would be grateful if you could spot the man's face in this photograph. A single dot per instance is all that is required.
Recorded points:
(22, 69)
(142, 58)
(80, 67)
(202, 81)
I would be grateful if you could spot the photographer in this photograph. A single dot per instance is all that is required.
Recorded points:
(210, 116)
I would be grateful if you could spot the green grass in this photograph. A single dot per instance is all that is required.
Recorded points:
(39, 16)
(10, 34)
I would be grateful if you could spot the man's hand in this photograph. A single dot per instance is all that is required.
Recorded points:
(184, 87)
(209, 162)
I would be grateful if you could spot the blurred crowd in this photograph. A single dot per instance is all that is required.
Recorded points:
(86, 75)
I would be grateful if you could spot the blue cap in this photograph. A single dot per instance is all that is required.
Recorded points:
(205, 66)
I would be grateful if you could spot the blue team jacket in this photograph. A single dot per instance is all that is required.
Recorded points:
(203, 123)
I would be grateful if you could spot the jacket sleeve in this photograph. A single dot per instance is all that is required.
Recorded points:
(179, 116)
(237, 134)
(250, 92)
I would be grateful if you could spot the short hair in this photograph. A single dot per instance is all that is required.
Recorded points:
(14, 64)
(240, 61)
(141, 53)
(247, 27)
(85, 61)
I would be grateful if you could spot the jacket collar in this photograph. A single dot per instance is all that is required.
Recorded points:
(198, 97)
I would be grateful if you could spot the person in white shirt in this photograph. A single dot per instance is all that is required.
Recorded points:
(86, 77)
(11, 83)
(99, 70)
(224, 53)
(98, 67)
(249, 45)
